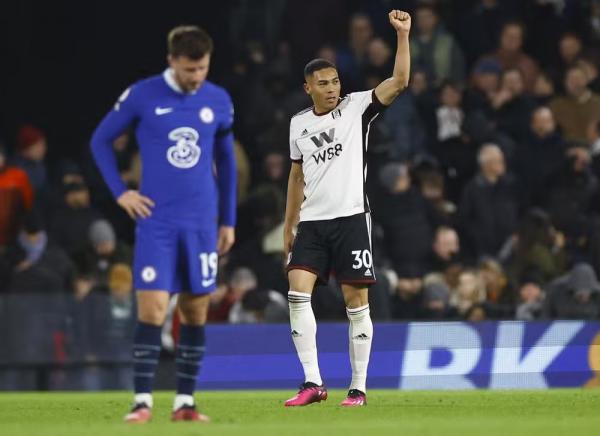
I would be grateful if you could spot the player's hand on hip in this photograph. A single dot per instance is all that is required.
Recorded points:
(226, 239)
(400, 20)
(135, 204)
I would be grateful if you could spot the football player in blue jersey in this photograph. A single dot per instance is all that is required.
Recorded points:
(184, 209)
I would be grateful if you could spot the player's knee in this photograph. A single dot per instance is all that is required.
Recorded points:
(152, 312)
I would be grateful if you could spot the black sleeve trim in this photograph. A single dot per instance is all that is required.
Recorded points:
(377, 105)
(298, 160)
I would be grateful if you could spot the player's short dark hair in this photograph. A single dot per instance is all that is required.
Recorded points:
(190, 41)
(316, 65)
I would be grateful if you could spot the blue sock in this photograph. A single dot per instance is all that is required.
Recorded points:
(146, 352)
(190, 352)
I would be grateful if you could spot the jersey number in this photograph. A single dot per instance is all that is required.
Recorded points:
(208, 263)
(362, 258)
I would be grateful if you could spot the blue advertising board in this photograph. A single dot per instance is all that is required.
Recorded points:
(419, 355)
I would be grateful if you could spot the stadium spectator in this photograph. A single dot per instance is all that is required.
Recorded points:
(407, 297)
(102, 253)
(531, 298)
(480, 26)
(469, 293)
(539, 156)
(352, 59)
(570, 49)
(436, 300)
(39, 265)
(485, 80)
(258, 306)
(30, 155)
(537, 246)
(543, 89)
(16, 199)
(576, 295)
(512, 107)
(570, 192)
(445, 250)
(406, 218)
(488, 208)
(433, 49)
(73, 219)
(580, 106)
(510, 53)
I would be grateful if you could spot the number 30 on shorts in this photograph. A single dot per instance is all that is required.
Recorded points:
(362, 258)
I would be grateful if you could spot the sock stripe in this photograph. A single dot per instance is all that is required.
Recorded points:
(188, 362)
(189, 347)
(357, 310)
(149, 361)
(186, 376)
(144, 374)
(147, 347)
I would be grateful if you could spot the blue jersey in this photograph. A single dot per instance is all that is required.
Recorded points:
(186, 147)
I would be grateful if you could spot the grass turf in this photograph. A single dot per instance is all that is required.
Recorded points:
(554, 412)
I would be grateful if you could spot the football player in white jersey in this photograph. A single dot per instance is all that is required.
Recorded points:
(327, 204)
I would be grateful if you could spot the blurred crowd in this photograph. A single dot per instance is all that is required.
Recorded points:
(483, 174)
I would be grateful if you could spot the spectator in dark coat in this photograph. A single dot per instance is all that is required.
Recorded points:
(539, 156)
(73, 219)
(575, 295)
(40, 266)
(570, 192)
(488, 209)
(512, 106)
(406, 219)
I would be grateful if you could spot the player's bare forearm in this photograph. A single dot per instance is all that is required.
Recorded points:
(389, 89)
(295, 196)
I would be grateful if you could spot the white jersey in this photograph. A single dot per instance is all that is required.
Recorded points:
(333, 149)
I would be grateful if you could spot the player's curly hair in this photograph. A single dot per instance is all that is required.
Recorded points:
(190, 41)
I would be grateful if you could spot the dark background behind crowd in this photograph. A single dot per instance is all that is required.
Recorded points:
(483, 174)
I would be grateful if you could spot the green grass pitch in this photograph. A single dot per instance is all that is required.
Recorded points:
(506, 413)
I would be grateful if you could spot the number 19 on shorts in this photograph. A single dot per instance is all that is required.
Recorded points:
(209, 264)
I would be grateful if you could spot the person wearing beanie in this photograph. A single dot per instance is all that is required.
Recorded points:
(102, 253)
(30, 154)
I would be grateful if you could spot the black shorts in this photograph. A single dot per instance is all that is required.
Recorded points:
(340, 246)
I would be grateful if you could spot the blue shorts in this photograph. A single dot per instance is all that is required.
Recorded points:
(175, 259)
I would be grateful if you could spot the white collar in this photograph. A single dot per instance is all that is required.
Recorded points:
(172, 83)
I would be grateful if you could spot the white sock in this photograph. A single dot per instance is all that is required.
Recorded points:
(183, 400)
(304, 334)
(143, 398)
(361, 336)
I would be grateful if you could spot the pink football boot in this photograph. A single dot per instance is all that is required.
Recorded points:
(355, 398)
(309, 393)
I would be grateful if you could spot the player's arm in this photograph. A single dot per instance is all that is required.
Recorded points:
(227, 183)
(295, 197)
(114, 124)
(390, 88)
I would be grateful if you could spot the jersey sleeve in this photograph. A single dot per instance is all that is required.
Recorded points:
(367, 103)
(295, 154)
(115, 123)
(226, 122)
(226, 167)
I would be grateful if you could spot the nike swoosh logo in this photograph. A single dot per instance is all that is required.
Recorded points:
(206, 283)
(162, 110)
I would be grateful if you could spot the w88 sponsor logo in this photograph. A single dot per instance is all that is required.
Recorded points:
(328, 154)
